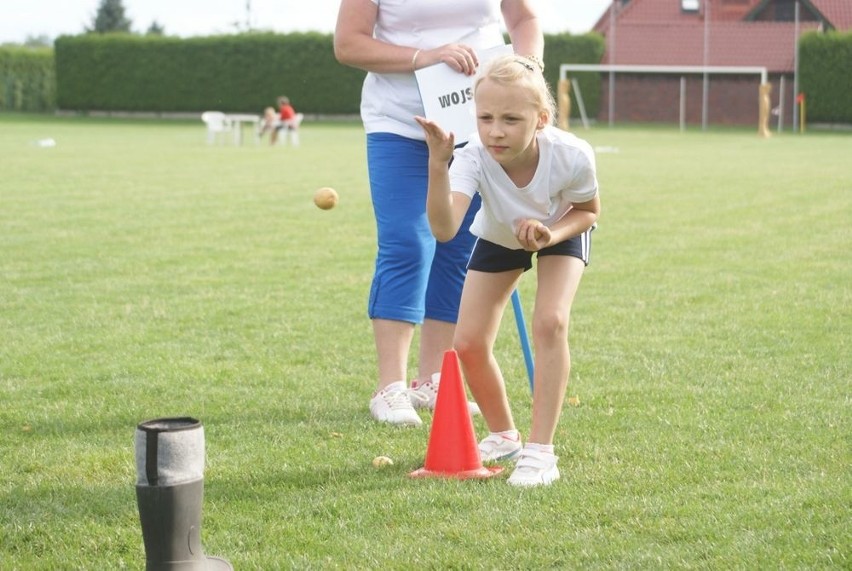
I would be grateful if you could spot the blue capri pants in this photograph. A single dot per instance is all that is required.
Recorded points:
(416, 277)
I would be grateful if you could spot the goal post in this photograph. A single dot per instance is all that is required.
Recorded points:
(683, 71)
(564, 103)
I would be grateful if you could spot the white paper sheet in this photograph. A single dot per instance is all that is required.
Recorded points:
(448, 95)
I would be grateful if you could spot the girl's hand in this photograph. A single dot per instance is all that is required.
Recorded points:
(440, 143)
(532, 235)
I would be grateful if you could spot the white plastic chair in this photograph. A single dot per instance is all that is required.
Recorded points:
(291, 128)
(217, 124)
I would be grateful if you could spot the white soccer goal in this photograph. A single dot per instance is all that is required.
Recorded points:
(683, 71)
(564, 103)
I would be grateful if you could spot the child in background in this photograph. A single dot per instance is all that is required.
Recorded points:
(539, 194)
(269, 122)
(287, 120)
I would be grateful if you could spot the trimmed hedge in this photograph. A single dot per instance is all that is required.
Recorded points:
(586, 48)
(246, 72)
(237, 73)
(27, 79)
(121, 72)
(825, 76)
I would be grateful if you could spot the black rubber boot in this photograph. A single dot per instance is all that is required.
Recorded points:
(170, 495)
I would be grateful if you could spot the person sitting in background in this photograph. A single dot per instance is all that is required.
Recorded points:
(288, 120)
(269, 123)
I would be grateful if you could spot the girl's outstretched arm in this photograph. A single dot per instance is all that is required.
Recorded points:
(446, 209)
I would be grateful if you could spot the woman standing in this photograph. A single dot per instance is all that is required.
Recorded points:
(416, 280)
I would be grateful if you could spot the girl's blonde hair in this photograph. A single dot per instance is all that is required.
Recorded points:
(520, 71)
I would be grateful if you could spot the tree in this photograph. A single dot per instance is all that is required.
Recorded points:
(155, 29)
(41, 41)
(110, 18)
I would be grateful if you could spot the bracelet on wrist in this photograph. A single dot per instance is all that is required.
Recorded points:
(414, 60)
(536, 60)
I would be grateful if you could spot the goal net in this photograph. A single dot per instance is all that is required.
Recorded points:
(668, 94)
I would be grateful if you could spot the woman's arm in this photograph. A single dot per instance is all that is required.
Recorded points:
(355, 46)
(524, 28)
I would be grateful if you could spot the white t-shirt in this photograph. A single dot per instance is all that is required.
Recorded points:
(565, 174)
(389, 101)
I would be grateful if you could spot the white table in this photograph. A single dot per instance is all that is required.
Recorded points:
(238, 120)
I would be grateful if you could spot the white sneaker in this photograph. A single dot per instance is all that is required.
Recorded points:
(535, 468)
(392, 405)
(496, 447)
(425, 394)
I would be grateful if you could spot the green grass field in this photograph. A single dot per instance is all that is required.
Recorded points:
(146, 274)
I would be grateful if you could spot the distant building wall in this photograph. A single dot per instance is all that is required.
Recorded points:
(655, 98)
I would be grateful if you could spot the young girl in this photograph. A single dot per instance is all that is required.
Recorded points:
(268, 123)
(539, 194)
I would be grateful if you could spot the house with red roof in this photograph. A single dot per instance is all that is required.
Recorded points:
(713, 33)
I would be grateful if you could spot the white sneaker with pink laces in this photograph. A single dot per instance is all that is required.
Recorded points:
(498, 447)
(534, 468)
(392, 405)
(424, 395)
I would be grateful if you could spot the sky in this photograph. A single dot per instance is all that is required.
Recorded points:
(22, 19)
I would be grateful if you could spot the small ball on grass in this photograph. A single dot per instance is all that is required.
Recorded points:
(382, 461)
(326, 198)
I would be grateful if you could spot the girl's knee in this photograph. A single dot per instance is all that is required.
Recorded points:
(551, 326)
(469, 347)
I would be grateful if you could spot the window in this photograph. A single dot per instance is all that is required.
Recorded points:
(690, 5)
(785, 11)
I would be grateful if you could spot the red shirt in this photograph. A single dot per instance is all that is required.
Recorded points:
(287, 112)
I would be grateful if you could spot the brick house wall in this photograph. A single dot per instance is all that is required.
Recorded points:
(753, 33)
(655, 98)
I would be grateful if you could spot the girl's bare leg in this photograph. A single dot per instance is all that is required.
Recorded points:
(558, 280)
(483, 300)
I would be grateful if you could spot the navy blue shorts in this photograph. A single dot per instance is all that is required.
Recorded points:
(492, 258)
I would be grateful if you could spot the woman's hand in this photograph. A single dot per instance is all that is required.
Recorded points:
(440, 143)
(532, 235)
(460, 57)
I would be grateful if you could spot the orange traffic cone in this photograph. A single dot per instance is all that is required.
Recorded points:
(452, 451)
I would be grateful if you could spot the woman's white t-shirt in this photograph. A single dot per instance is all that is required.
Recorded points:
(565, 174)
(389, 101)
